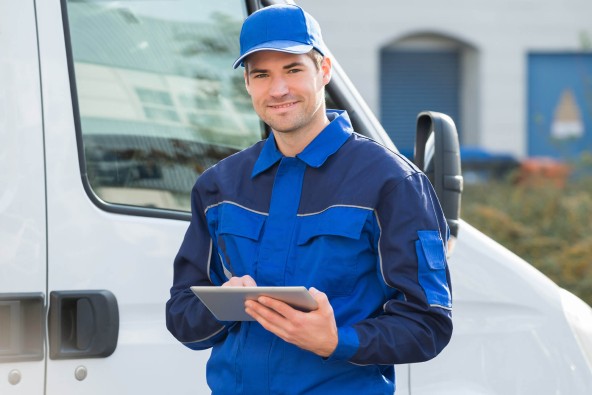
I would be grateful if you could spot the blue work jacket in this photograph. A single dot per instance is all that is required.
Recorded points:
(346, 216)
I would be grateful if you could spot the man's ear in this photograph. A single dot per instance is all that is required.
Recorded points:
(326, 70)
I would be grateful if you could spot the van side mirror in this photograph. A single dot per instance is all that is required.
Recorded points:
(437, 154)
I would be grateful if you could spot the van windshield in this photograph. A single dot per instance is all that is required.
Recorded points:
(157, 98)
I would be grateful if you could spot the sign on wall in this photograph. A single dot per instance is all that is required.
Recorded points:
(559, 105)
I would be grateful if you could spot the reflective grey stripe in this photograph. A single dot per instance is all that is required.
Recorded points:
(210, 260)
(336, 205)
(380, 263)
(441, 307)
(379, 251)
(207, 337)
(227, 272)
(235, 204)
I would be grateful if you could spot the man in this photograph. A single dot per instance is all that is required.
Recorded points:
(320, 206)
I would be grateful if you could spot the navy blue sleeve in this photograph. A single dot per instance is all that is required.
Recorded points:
(416, 323)
(186, 317)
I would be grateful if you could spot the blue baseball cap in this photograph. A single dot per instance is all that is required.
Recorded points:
(282, 27)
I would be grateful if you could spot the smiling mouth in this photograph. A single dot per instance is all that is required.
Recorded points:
(282, 106)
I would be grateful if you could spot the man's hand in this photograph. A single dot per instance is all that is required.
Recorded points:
(244, 281)
(315, 331)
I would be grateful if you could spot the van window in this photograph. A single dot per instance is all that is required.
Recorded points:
(158, 100)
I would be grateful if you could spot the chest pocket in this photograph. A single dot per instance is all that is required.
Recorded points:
(332, 249)
(239, 232)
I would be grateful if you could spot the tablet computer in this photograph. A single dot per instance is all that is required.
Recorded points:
(228, 303)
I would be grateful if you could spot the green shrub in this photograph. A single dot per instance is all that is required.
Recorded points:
(547, 225)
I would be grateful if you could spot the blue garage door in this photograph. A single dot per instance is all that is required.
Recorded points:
(559, 104)
(412, 82)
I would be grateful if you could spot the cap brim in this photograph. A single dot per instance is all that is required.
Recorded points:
(280, 46)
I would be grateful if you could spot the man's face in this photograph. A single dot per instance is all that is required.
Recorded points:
(287, 90)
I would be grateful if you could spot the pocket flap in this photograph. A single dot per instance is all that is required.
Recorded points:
(433, 248)
(239, 221)
(335, 221)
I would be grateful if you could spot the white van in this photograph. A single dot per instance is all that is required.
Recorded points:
(109, 110)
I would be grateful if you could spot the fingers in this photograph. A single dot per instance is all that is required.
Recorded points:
(274, 315)
(262, 308)
(233, 282)
(248, 281)
(275, 305)
(319, 297)
(244, 281)
(267, 308)
(315, 331)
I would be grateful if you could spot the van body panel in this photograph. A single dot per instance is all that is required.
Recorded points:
(510, 333)
(22, 193)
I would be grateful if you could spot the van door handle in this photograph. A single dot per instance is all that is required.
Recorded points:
(22, 329)
(82, 324)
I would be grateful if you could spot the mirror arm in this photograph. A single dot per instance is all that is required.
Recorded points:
(443, 168)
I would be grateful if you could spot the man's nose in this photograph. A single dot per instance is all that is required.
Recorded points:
(279, 87)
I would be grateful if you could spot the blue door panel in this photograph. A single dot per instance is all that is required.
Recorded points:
(413, 81)
(559, 104)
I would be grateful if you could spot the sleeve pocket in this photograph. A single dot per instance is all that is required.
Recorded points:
(432, 273)
(433, 248)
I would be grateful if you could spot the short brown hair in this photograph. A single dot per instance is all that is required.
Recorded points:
(316, 57)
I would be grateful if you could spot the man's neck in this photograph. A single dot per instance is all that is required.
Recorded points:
(292, 143)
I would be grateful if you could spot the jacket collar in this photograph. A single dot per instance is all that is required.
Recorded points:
(331, 138)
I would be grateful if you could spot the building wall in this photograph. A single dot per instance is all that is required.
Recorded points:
(502, 32)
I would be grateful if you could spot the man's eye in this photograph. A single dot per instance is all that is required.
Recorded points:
(260, 75)
(294, 70)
